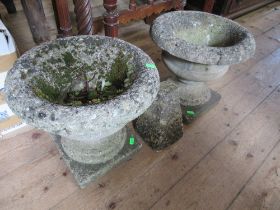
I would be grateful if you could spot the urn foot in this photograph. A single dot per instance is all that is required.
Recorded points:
(94, 152)
(85, 173)
(190, 113)
(193, 93)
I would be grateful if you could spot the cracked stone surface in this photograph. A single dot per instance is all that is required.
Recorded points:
(161, 125)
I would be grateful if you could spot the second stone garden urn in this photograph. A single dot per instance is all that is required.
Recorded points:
(84, 90)
(199, 47)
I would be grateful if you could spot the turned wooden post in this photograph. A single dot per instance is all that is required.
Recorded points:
(150, 2)
(181, 5)
(132, 5)
(208, 5)
(36, 18)
(62, 17)
(111, 16)
(10, 6)
(84, 16)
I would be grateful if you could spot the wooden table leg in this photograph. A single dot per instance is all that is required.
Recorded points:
(10, 6)
(111, 16)
(150, 2)
(208, 5)
(84, 16)
(132, 5)
(62, 17)
(181, 5)
(35, 15)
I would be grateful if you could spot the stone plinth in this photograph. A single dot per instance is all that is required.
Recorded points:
(85, 173)
(161, 125)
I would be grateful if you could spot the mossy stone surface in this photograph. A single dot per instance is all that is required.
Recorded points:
(82, 88)
(68, 79)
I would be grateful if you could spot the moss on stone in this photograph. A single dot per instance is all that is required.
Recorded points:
(45, 90)
(119, 70)
(68, 58)
(56, 84)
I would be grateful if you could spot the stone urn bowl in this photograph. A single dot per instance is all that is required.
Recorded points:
(199, 47)
(84, 89)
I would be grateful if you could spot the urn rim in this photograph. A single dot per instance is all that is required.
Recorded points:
(60, 119)
(163, 32)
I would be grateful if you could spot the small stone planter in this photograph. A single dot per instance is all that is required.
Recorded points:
(84, 90)
(199, 47)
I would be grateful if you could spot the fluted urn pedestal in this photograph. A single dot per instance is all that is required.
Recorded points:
(200, 47)
(84, 90)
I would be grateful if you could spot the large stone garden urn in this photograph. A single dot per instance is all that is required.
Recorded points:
(84, 90)
(199, 47)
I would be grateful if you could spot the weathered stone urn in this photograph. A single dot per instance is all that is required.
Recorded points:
(199, 47)
(84, 90)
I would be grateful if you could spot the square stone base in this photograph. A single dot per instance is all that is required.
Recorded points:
(86, 173)
(200, 109)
